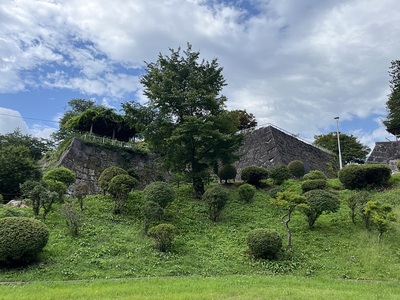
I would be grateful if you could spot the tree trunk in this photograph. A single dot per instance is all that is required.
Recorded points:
(198, 186)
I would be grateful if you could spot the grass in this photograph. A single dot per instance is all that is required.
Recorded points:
(334, 260)
(226, 287)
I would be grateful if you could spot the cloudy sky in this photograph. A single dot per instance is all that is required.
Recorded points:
(295, 64)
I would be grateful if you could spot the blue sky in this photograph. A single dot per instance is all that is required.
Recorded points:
(295, 64)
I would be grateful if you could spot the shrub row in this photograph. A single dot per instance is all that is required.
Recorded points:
(355, 177)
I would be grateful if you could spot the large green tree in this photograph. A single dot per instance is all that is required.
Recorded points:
(351, 149)
(392, 121)
(190, 126)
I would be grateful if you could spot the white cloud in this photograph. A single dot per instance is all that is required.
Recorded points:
(296, 64)
(10, 120)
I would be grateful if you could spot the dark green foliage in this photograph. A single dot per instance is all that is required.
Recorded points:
(189, 125)
(398, 165)
(81, 190)
(392, 121)
(246, 120)
(164, 235)
(315, 174)
(355, 177)
(264, 243)
(119, 187)
(21, 239)
(152, 213)
(356, 203)
(159, 192)
(253, 175)
(227, 172)
(352, 150)
(246, 192)
(108, 174)
(318, 202)
(58, 187)
(316, 184)
(17, 166)
(279, 174)
(73, 218)
(296, 168)
(40, 195)
(216, 198)
(61, 174)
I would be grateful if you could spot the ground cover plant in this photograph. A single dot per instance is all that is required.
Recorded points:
(115, 246)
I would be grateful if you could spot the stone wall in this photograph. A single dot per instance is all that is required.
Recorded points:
(88, 160)
(385, 153)
(268, 147)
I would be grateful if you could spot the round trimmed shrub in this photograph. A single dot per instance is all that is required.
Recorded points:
(264, 243)
(253, 175)
(21, 239)
(227, 172)
(108, 174)
(159, 192)
(316, 184)
(61, 174)
(56, 186)
(119, 187)
(296, 168)
(318, 202)
(163, 235)
(315, 174)
(246, 192)
(279, 174)
(216, 198)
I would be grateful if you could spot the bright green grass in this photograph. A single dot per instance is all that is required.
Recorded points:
(228, 287)
(115, 246)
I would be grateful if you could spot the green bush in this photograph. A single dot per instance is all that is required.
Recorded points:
(355, 177)
(227, 172)
(108, 174)
(246, 192)
(315, 184)
(81, 190)
(264, 243)
(58, 187)
(357, 202)
(152, 213)
(216, 198)
(73, 218)
(253, 175)
(315, 174)
(163, 235)
(279, 174)
(21, 239)
(61, 174)
(159, 192)
(119, 187)
(318, 202)
(296, 168)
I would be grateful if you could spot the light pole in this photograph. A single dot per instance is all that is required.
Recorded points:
(338, 142)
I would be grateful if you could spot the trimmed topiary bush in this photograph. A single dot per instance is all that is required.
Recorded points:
(119, 187)
(246, 192)
(108, 174)
(152, 213)
(316, 184)
(216, 198)
(315, 174)
(61, 174)
(21, 239)
(159, 192)
(227, 172)
(253, 175)
(355, 177)
(318, 202)
(163, 235)
(296, 168)
(279, 174)
(264, 243)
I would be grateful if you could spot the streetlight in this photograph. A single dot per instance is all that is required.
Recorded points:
(338, 142)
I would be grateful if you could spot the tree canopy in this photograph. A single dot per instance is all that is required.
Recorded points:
(190, 126)
(392, 121)
(246, 120)
(351, 149)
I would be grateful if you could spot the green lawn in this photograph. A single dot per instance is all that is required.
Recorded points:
(227, 287)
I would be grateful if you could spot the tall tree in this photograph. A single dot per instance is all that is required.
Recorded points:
(190, 127)
(351, 149)
(392, 121)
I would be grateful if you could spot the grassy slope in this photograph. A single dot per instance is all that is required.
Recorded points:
(115, 246)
